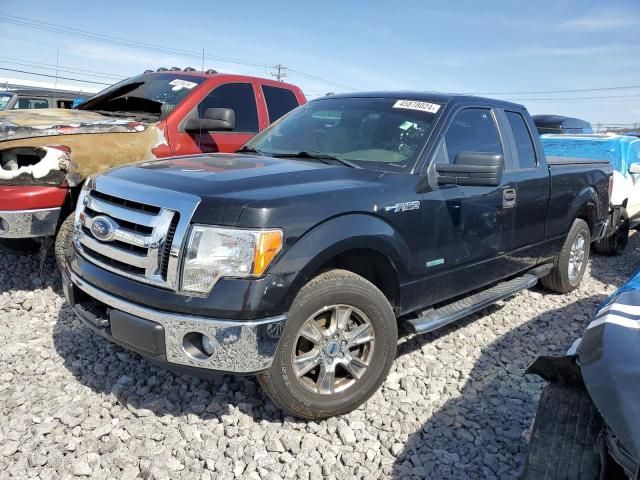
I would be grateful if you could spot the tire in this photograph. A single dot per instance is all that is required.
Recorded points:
(316, 300)
(64, 240)
(615, 243)
(564, 438)
(560, 278)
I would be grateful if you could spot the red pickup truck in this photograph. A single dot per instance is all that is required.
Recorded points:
(46, 154)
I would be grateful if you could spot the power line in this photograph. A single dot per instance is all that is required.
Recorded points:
(53, 76)
(573, 98)
(85, 34)
(322, 80)
(556, 91)
(49, 66)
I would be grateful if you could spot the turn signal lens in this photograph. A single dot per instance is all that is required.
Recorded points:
(269, 244)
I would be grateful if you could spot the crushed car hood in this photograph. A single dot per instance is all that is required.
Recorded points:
(90, 143)
(609, 355)
(17, 124)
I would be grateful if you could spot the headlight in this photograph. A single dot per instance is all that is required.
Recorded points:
(214, 252)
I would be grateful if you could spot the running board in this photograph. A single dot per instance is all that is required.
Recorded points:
(439, 317)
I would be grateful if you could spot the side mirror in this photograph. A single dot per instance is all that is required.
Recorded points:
(634, 168)
(213, 119)
(472, 168)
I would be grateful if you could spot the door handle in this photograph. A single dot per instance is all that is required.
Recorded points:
(508, 198)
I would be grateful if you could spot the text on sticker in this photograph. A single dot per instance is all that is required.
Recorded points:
(182, 83)
(416, 105)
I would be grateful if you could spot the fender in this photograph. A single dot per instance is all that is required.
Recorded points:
(338, 235)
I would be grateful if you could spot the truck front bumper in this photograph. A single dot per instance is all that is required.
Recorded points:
(40, 222)
(202, 343)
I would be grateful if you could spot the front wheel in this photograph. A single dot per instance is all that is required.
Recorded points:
(336, 348)
(571, 263)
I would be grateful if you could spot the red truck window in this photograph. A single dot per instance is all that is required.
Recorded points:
(240, 98)
(279, 101)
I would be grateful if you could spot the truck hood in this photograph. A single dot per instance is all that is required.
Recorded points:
(227, 183)
(17, 124)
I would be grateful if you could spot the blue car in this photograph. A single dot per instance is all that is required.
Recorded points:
(623, 153)
(588, 421)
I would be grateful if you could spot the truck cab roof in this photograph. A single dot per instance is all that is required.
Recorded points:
(438, 97)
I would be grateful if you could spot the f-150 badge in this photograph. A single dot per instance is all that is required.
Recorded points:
(403, 207)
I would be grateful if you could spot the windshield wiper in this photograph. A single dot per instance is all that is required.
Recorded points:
(247, 149)
(323, 157)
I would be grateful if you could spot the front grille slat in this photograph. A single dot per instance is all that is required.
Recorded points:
(122, 213)
(115, 253)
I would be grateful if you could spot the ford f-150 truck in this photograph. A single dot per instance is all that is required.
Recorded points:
(45, 154)
(297, 258)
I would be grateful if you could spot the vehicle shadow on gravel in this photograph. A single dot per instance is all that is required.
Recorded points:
(483, 431)
(147, 389)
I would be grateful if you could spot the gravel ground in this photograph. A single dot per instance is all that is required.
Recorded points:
(455, 405)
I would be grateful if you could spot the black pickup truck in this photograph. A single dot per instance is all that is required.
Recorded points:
(297, 258)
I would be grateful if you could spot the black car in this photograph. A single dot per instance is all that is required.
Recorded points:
(297, 258)
(560, 124)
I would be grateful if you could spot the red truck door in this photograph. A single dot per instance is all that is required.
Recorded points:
(241, 98)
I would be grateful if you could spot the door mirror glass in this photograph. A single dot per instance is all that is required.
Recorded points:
(472, 168)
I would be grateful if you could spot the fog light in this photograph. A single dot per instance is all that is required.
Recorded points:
(208, 345)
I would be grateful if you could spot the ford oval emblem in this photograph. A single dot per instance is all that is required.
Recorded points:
(103, 228)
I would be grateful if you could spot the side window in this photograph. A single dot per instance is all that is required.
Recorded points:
(28, 103)
(279, 101)
(472, 130)
(524, 143)
(240, 98)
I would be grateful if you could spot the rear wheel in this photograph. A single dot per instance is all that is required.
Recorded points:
(336, 349)
(615, 243)
(571, 263)
(564, 438)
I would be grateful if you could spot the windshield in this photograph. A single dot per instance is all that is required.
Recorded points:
(4, 100)
(376, 133)
(153, 94)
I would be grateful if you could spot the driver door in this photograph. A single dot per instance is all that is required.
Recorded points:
(466, 227)
(241, 98)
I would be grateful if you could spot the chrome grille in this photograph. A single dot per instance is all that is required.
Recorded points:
(144, 238)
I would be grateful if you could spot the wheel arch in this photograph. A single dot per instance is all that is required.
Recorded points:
(360, 243)
(585, 206)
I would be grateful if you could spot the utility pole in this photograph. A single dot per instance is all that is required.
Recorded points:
(280, 72)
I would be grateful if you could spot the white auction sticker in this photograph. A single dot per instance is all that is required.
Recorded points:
(178, 84)
(416, 105)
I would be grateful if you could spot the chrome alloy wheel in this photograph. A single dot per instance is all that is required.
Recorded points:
(333, 349)
(576, 257)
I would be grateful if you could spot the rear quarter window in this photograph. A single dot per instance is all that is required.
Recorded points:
(524, 142)
(280, 101)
